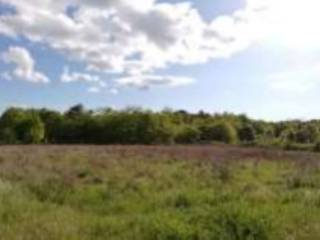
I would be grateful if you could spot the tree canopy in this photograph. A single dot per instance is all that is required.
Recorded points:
(79, 125)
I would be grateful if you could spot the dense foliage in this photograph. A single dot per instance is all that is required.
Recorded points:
(138, 126)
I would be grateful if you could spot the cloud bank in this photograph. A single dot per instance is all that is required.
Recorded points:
(130, 38)
(134, 39)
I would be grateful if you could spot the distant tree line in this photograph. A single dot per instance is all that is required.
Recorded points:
(138, 126)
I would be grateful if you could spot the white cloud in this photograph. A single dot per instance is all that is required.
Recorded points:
(114, 91)
(146, 81)
(94, 90)
(128, 37)
(24, 66)
(98, 89)
(287, 23)
(97, 84)
(138, 37)
(69, 77)
(296, 81)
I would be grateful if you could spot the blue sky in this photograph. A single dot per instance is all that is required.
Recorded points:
(271, 74)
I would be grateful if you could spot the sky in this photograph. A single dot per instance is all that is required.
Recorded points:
(258, 57)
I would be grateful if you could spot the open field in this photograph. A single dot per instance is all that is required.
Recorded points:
(158, 193)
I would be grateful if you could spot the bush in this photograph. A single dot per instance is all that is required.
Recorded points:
(220, 132)
(247, 134)
(32, 129)
(297, 147)
(8, 136)
(21, 126)
(316, 147)
(188, 135)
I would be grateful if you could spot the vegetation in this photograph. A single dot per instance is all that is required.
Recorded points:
(162, 193)
(138, 126)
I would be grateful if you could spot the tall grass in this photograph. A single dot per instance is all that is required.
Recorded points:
(158, 193)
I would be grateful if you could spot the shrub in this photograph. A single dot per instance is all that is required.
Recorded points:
(21, 126)
(224, 132)
(32, 129)
(188, 135)
(247, 133)
(316, 147)
(297, 146)
(8, 136)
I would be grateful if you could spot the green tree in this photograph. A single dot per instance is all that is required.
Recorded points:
(247, 133)
(31, 129)
(9, 123)
(188, 135)
(220, 132)
(8, 136)
(75, 111)
(52, 122)
(307, 134)
(225, 132)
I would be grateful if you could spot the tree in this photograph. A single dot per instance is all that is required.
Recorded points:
(31, 129)
(188, 135)
(9, 123)
(52, 122)
(220, 132)
(288, 136)
(21, 126)
(307, 134)
(138, 126)
(8, 136)
(247, 133)
(75, 111)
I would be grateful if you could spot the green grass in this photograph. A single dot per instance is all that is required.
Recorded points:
(66, 193)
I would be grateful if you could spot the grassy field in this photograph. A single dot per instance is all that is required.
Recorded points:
(158, 193)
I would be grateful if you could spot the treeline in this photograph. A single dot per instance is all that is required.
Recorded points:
(137, 126)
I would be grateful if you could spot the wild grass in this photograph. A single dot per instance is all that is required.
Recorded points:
(158, 193)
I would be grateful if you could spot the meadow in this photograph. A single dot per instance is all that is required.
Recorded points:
(158, 193)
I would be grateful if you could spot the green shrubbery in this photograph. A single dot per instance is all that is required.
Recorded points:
(224, 132)
(188, 135)
(138, 126)
(18, 126)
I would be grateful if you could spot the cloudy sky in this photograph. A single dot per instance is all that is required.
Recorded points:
(259, 57)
